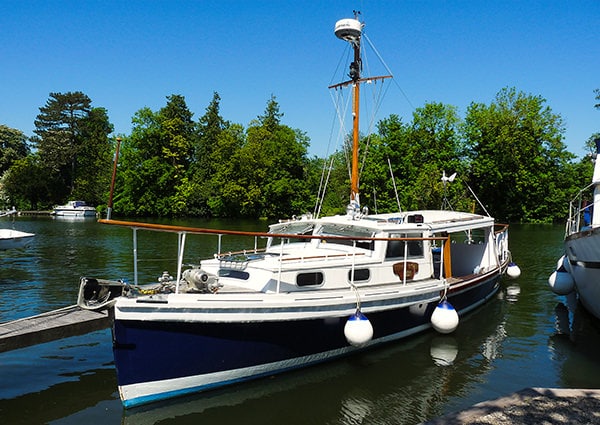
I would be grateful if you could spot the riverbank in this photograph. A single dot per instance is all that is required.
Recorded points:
(532, 406)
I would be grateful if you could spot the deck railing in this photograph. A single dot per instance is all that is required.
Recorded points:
(445, 270)
(578, 208)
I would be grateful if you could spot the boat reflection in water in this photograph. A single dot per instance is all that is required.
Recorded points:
(576, 344)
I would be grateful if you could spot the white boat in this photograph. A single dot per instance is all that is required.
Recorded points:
(6, 213)
(13, 239)
(309, 290)
(579, 268)
(75, 209)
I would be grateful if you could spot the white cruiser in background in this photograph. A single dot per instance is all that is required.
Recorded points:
(75, 209)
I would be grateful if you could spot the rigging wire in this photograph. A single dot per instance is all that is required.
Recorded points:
(342, 104)
(388, 70)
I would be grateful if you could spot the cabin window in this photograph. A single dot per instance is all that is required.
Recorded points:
(235, 274)
(309, 279)
(356, 233)
(370, 245)
(395, 249)
(359, 275)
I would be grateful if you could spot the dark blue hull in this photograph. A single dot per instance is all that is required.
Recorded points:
(166, 352)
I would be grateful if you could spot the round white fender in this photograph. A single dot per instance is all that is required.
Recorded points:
(444, 318)
(561, 282)
(358, 330)
(513, 271)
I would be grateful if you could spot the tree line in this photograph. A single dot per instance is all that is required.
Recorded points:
(510, 153)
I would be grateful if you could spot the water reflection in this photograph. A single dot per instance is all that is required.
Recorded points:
(444, 350)
(53, 380)
(575, 344)
(520, 339)
(512, 292)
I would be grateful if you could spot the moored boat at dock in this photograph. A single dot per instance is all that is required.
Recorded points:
(75, 209)
(579, 268)
(308, 290)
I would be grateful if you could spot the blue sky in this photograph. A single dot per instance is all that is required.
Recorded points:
(127, 55)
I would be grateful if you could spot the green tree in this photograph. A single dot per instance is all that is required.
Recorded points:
(211, 127)
(516, 149)
(418, 154)
(436, 147)
(330, 180)
(226, 192)
(155, 161)
(58, 130)
(391, 146)
(29, 184)
(94, 158)
(13, 146)
(271, 167)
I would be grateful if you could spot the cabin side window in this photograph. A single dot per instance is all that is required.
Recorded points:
(309, 279)
(360, 275)
(396, 248)
(235, 274)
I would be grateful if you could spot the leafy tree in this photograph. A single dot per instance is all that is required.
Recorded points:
(516, 149)
(391, 146)
(272, 167)
(591, 142)
(225, 193)
(331, 181)
(155, 161)
(211, 127)
(94, 159)
(418, 153)
(29, 184)
(436, 147)
(58, 130)
(13, 146)
(178, 137)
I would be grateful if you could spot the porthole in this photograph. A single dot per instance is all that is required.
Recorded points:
(309, 279)
(359, 275)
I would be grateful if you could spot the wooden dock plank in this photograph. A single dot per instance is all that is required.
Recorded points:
(56, 324)
(29, 213)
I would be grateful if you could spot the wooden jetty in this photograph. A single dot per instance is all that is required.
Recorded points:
(50, 326)
(34, 213)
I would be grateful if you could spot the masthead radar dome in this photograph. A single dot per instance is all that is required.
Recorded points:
(348, 29)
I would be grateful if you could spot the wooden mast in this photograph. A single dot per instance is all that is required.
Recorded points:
(355, 68)
(350, 30)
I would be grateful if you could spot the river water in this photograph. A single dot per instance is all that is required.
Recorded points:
(525, 337)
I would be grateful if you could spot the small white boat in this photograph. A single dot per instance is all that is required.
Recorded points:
(75, 209)
(579, 268)
(6, 213)
(12, 239)
(308, 290)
